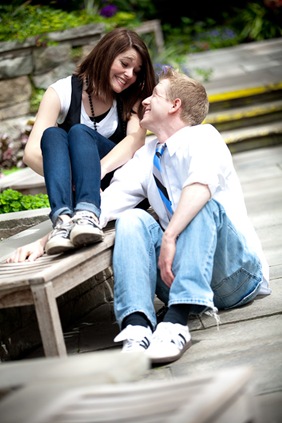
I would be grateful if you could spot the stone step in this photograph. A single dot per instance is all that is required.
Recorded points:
(245, 96)
(248, 115)
(252, 137)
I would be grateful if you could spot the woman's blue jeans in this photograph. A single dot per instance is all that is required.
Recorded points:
(72, 170)
(213, 267)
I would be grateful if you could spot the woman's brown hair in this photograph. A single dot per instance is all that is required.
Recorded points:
(96, 69)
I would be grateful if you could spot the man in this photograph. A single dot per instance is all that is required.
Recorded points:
(201, 254)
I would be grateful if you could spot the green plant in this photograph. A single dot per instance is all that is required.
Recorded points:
(27, 21)
(257, 22)
(14, 201)
(36, 97)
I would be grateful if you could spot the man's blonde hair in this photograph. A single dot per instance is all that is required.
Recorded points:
(193, 96)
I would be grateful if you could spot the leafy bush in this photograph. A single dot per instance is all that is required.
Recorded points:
(34, 21)
(258, 22)
(14, 201)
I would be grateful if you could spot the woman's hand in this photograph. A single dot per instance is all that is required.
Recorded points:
(29, 252)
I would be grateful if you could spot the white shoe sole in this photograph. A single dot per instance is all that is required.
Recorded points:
(162, 358)
(57, 246)
(82, 235)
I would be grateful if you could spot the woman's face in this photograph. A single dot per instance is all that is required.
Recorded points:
(124, 70)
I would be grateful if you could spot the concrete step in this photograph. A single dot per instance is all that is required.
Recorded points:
(252, 137)
(248, 118)
(248, 115)
(245, 96)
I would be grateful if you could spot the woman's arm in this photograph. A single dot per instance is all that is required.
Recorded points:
(46, 117)
(126, 148)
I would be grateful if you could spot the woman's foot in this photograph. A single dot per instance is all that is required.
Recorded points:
(86, 229)
(59, 239)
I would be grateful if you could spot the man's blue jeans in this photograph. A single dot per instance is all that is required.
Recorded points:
(72, 170)
(213, 267)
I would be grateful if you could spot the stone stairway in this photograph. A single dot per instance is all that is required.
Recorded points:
(249, 118)
(245, 92)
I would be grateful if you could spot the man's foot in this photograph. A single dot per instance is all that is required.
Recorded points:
(86, 229)
(135, 338)
(169, 342)
(59, 238)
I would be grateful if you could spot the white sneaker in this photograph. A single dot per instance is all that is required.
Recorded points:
(169, 342)
(86, 229)
(135, 338)
(59, 238)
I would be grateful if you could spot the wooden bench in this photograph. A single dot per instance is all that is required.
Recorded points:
(41, 282)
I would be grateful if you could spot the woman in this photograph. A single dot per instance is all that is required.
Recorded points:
(87, 126)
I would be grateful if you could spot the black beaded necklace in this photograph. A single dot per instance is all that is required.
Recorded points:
(92, 109)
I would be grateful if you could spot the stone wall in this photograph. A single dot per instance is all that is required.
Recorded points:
(28, 64)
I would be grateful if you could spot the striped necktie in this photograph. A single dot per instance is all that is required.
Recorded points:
(157, 173)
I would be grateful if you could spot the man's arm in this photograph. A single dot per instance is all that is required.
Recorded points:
(192, 200)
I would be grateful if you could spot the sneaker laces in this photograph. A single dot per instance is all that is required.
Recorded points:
(61, 229)
(85, 218)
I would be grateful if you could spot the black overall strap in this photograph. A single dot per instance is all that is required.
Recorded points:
(120, 132)
(73, 115)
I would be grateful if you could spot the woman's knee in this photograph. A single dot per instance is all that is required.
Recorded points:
(80, 131)
(82, 140)
(51, 136)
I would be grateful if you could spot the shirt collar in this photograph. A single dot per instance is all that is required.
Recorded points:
(176, 139)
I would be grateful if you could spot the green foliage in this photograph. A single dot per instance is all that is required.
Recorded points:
(191, 37)
(143, 9)
(14, 201)
(36, 97)
(257, 22)
(35, 21)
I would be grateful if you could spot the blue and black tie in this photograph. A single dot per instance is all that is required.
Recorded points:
(157, 173)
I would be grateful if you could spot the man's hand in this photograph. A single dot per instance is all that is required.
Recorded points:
(166, 257)
(193, 198)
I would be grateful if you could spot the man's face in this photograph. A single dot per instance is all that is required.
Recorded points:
(156, 107)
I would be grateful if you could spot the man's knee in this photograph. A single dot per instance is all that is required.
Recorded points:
(131, 219)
